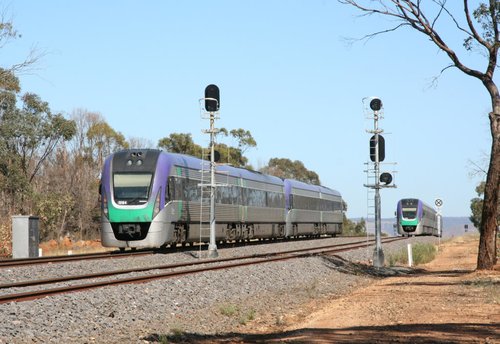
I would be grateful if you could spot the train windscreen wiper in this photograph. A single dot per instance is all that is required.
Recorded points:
(136, 201)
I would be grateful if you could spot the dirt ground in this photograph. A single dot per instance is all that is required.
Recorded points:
(446, 301)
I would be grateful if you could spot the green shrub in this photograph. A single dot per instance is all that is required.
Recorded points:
(228, 310)
(422, 253)
(248, 316)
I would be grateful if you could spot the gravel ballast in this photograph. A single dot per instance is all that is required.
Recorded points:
(235, 300)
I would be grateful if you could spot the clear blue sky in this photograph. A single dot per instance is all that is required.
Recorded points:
(285, 73)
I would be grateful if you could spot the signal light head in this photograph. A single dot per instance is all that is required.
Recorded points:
(386, 178)
(216, 156)
(375, 104)
(212, 98)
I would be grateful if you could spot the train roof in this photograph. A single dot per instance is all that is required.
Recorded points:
(196, 163)
(316, 188)
(419, 201)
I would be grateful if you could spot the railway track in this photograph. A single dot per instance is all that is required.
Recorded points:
(9, 263)
(180, 270)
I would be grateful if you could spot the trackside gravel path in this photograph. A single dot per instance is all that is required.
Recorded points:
(445, 301)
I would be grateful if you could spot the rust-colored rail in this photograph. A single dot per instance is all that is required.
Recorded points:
(9, 263)
(243, 261)
(75, 257)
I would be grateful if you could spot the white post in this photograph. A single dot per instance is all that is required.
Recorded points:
(410, 256)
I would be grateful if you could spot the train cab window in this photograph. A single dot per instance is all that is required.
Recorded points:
(131, 188)
(409, 213)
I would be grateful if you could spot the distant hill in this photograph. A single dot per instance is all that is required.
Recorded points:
(452, 226)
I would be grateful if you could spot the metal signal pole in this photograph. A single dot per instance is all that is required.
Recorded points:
(212, 103)
(382, 180)
(212, 247)
(378, 255)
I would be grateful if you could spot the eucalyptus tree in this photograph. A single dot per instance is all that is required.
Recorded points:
(103, 140)
(180, 143)
(244, 138)
(476, 206)
(93, 142)
(286, 168)
(28, 135)
(183, 143)
(480, 32)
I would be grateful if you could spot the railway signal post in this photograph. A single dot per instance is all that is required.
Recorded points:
(439, 203)
(212, 104)
(381, 180)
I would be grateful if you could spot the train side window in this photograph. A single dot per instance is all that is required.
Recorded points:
(229, 194)
(100, 193)
(275, 200)
(306, 203)
(169, 192)
(192, 191)
(255, 198)
(179, 188)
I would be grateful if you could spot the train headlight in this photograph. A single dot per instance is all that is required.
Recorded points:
(104, 203)
(156, 208)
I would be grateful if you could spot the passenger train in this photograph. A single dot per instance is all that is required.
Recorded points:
(414, 217)
(152, 198)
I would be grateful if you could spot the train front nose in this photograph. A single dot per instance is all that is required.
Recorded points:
(409, 229)
(130, 231)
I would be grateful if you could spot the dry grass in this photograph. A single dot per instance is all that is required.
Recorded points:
(67, 247)
(5, 240)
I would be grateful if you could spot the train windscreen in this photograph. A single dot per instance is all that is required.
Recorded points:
(131, 188)
(409, 208)
(410, 213)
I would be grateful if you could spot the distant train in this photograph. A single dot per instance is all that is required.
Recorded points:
(414, 217)
(151, 198)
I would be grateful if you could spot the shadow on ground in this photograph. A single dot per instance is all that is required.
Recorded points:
(415, 333)
(345, 266)
(361, 269)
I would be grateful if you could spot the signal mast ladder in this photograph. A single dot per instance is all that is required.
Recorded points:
(370, 200)
(205, 194)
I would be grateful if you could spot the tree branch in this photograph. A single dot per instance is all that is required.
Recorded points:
(472, 28)
(410, 13)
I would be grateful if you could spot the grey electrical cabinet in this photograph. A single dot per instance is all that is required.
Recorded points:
(25, 236)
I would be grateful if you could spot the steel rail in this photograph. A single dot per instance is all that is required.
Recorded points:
(250, 260)
(28, 283)
(6, 263)
(76, 257)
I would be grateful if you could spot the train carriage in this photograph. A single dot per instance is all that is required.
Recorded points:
(312, 209)
(414, 217)
(152, 198)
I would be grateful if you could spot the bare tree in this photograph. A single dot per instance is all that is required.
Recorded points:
(480, 30)
(8, 33)
(93, 142)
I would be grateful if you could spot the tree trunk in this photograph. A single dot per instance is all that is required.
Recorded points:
(63, 224)
(487, 256)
